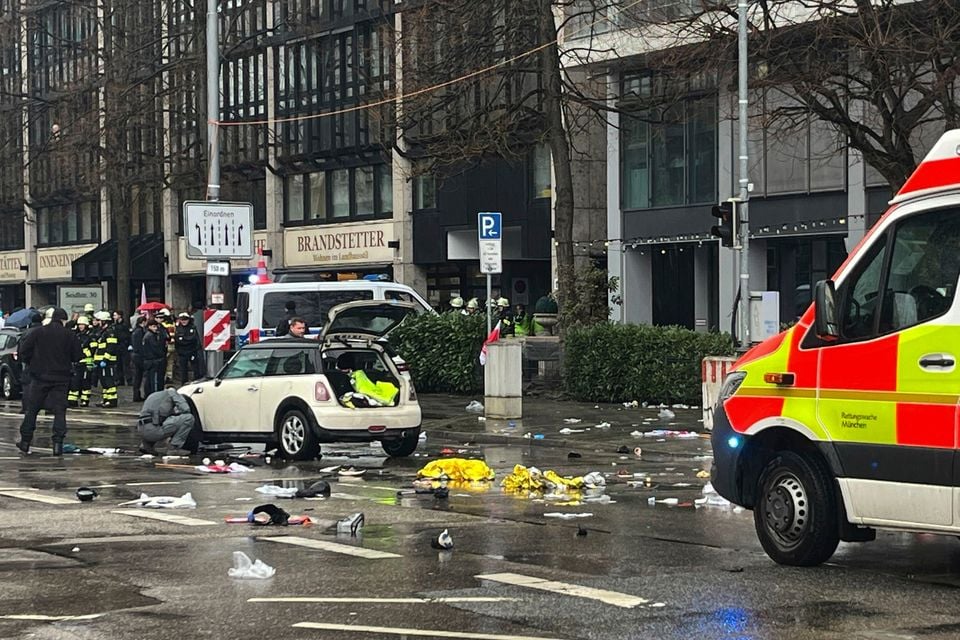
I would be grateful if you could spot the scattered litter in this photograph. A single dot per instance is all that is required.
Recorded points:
(631, 405)
(581, 531)
(86, 494)
(75, 550)
(661, 433)
(351, 472)
(567, 431)
(269, 514)
(572, 420)
(567, 516)
(422, 437)
(538, 436)
(443, 541)
(637, 451)
(220, 467)
(104, 451)
(703, 474)
(475, 407)
(666, 414)
(636, 434)
(574, 454)
(244, 568)
(243, 499)
(457, 469)
(206, 461)
(623, 449)
(146, 456)
(668, 501)
(528, 435)
(169, 458)
(531, 480)
(185, 501)
(603, 425)
(277, 492)
(351, 524)
(481, 419)
(594, 480)
(599, 499)
(330, 469)
(712, 498)
(680, 406)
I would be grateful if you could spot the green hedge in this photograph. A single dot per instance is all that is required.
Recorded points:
(443, 351)
(622, 363)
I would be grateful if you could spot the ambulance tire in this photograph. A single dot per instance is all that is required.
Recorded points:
(796, 513)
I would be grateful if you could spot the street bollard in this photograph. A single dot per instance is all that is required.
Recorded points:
(503, 381)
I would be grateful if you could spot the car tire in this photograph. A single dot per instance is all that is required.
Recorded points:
(295, 437)
(7, 390)
(403, 446)
(796, 511)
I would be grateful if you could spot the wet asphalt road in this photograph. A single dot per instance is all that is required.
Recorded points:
(674, 571)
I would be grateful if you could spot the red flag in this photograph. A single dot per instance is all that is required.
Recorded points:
(493, 337)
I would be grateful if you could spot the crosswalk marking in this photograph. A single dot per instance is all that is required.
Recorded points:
(150, 484)
(164, 517)
(420, 633)
(334, 547)
(35, 496)
(42, 618)
(610, 597)
(442, 600)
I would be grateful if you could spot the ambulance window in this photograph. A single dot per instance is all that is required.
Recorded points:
(861, 295)
(924, 268)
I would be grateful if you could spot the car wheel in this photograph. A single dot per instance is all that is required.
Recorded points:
(296, 437)
(796, 514)
(403, 446)
(6, 386)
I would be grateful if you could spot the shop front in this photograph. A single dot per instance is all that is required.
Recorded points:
(338, 252)
(54, 267)
(12, 279)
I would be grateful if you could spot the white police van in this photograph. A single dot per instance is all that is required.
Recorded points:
(261, 307)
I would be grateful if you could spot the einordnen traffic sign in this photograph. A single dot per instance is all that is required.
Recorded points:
(218, 230)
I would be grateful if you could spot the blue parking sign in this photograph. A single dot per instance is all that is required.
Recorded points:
(488, 225)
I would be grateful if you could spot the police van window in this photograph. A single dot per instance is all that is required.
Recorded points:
(402, 296)
(860, 295)
(312, 306)
(923, 272)
(243, 310)
(249, 363)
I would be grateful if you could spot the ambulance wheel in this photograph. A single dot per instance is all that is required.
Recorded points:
(796, 510)
(402, 447)
(296, 439)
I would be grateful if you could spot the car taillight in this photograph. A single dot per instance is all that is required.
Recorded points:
(413, 392)
(321, 393)
(402, 367)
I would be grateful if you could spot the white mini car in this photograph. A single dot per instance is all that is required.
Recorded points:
(297, 393)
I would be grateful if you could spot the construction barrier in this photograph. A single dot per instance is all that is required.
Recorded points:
(713, 370)
(216, 330)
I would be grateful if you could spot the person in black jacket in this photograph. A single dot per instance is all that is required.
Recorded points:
(187, 342)
(122, 330)
(154, 351)
(51, 352)
(136, 355)
(289, 313)
(36, 321)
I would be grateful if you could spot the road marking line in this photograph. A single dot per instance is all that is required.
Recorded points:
(334, 547)
(9, 457)
(150, 484)
(385, 600)
(422, 633)
(164, 517)
(30, 494)
(351, 496)
(42, 618)
(610, 597)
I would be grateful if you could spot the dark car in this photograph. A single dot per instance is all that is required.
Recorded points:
(10, 368)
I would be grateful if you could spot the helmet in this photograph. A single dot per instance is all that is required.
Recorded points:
(48, 314)
(102, 316)
(163, 313)
(503, 302)
(473, 304)
(84, 320)
(456, 303)
(183, 314)
(88, 308)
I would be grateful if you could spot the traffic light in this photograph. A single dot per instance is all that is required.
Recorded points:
(727, 229)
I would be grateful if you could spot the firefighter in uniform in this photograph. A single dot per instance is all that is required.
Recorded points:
(169, 331)
(105, 359)
(79, 395)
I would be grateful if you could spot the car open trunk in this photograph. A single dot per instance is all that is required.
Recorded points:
(361, 377)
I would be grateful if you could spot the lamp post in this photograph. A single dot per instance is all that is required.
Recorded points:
(744, 195)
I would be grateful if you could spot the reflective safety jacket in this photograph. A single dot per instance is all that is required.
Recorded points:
(108, 346)
(88, 344)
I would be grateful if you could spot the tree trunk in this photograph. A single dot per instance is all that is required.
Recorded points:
(560, 150)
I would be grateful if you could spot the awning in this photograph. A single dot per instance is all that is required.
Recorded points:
(146, 260)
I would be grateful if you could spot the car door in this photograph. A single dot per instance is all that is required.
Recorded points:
(232, 402)
(888, 389)
(291, 373)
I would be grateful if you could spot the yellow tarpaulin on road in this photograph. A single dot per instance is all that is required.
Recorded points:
(530, 479)
(457, 469)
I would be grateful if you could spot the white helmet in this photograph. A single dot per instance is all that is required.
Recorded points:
(503, 302)
(163, 313)
(84, 320)
(102, 316)
(473, 303)
(456, 303)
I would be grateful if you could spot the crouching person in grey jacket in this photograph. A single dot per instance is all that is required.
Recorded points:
(165, 414)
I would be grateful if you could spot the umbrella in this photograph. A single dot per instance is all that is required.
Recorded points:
(151, 306)
(20, 319)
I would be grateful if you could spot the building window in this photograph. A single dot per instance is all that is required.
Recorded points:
(424, 192)
(11, 229)
(541, 183)
(68, 224)
(339, 195)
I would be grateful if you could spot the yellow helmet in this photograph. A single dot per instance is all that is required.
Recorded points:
(473, 304)
(456, 303)
(84, 320)
(503, 302)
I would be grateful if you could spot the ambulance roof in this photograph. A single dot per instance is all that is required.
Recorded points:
(939, 171)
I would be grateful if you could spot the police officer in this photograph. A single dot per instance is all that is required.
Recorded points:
(79, 395)
(187, 342)
(50, 352)
(154, 351)
(105, 359)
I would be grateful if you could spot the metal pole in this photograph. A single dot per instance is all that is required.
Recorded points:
(489, 311)
(744, 219)
(214, 358)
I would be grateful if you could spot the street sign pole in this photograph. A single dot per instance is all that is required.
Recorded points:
(214, 358)
(489, 230)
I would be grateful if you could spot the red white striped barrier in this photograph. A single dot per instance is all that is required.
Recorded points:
(216, 330)
(713, 370)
